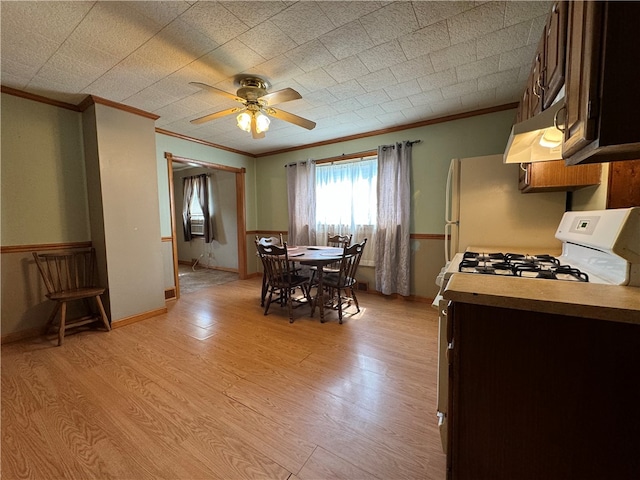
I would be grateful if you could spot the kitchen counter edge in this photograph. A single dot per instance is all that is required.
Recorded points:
(590, 300)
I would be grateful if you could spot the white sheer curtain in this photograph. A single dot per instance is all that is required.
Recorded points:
(301, 190)
(346, 202)
(392, 252)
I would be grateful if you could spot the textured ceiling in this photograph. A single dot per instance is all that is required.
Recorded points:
(360, 66)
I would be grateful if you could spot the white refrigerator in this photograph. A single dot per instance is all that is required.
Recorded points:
(485, 208)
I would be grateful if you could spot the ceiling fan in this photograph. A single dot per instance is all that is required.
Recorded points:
(256, 105)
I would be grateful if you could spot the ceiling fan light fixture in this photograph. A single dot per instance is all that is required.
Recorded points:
(244, 121)
(262, 123)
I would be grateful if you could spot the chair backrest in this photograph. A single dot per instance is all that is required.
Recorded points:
(349, 263)
(276, 263)
(339, 241)
(69, 270)
(269, 240)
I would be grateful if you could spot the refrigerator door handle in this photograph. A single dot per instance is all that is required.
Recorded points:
(447, 203)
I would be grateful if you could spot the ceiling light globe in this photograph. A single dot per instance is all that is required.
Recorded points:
(262, 123)
(244, 121)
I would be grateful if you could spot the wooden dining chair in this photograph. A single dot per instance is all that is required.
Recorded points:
(333, 240)
(281, 279)
(68, 277)
(266, 241)
(345, 278)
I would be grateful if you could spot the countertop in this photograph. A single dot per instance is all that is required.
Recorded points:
(589, 300)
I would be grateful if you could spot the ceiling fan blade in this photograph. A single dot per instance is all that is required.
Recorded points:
(291, 118)
(204, 86)
(213, 116)
(254, 131)
(281, 96)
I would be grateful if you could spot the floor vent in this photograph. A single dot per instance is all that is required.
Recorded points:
(362, 286)
(169, 293)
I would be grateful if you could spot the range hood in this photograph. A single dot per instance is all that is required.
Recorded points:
(536, 139)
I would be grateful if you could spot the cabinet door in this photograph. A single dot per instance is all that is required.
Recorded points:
(554, 59)
(536, 80)
(624, 184)
(555, 176)
(583, 60)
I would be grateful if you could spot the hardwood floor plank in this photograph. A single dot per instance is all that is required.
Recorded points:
(324, 465)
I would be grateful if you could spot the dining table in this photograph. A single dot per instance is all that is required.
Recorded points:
(318, 256)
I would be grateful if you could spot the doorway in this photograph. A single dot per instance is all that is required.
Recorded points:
(230, 243)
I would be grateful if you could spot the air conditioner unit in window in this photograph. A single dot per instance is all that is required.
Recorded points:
(197, 226)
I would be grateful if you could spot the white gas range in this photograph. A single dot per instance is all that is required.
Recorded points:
(601, 246)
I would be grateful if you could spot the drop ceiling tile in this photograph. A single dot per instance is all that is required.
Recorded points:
(374, 98)
(438, 80)
(377, 80)
(267, 39)
(389, 22)
(431, 12)
(150, 99)
(477, 100)
(318, 113)
(280, 68)
(320, 97)
(517, 57)
(117, 87)
(479, 68)
(199, 71)
(27, 48)
(303, 22)
(231, 58)
(115, 28)
(450, 57)
(142, 68)
(446, 107)
(372, 111)
(162, 12)
(346, 69)
(215, 21)
(347, 117)
(316, 80)
(392, 118)
(405, 89)
(310, 56)
(347, 40)
(341, 12)
(459, 89)
(12, 80)
(60, 66)
(498, 79)
(503, 40)
(254, 13)
(426, 40)
(53, 20)
(382, 56)
(348, 89)
(507, 94)
(426, 98)
(417, 114)
(396, 105)
(517, 12)
(347, 105)
(478, 21)
(412, 69)
(54, 90)
(537, 30)
(88, 55)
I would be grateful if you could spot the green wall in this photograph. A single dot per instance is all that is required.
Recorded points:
(44, 194)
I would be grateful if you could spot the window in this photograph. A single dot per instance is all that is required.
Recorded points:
(197, 215)
(346, 200)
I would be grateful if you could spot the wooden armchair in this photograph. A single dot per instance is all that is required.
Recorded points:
(267, 242)
(280, 277)
(70, 276)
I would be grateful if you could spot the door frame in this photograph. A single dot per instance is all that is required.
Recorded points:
(240, 209)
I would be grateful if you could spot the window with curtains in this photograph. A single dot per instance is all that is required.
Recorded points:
(197, 209)
(346, 200)
(197, 215)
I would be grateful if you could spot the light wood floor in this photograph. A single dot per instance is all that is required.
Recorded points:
(216, 390)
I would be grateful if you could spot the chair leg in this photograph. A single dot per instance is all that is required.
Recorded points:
(355, 299)
(63, 318)
(52, 316)
(103, 314)
(266, 308)
(264, 290)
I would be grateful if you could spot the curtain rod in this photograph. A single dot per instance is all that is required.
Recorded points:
(350, 156)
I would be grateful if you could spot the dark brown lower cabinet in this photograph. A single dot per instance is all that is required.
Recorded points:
(542, 396)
